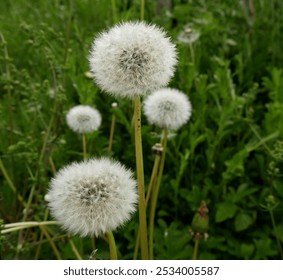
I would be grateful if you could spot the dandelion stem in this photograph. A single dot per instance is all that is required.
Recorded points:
(112, 246)
(142, 9)
(84, 146)
(29, 224)
(112, 132)
(154, 194)
(152, 179)
(195, 254)
(140, 179)
(192, 53)
(149, 189)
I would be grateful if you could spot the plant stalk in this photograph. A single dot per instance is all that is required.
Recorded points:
(154, 194)
(195, 254)
(140, 179)
(112, 246)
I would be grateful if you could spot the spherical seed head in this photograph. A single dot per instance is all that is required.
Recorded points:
(92, 197)
(132, 59)
(167, 108)
(83, 119)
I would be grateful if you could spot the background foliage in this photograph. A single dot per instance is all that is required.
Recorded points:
(230, 154)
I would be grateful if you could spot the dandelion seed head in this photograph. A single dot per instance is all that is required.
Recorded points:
(92, 197)
(83, 119)
(167, 108)
(188, 35)
(132, 59)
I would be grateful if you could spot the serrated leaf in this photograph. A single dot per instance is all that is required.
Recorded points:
(225, 210)
(242, 221)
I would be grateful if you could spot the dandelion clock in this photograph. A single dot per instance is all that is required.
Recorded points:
(92, 197)
(132, 59)
(167, 108)
(83, 119)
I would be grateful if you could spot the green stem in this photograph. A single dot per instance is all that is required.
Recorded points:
(37, 253)
(74, 248)
(142, 9)
(192, 53)
(140, 179)
(29, 224)
(149, 189)
(10, 183)
(152, 179)
(195, 254)
(112, 246)
(275, 231)
(53, 246)
(154, 194)
(84, 146)
(111, 132)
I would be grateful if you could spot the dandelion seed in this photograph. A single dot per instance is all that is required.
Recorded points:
(92, 197)
(83, 119)
(167, 108)
(132, 59)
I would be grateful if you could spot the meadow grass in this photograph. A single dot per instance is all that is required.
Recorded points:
(230, 153)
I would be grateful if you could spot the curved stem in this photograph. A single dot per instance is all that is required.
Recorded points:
(152, 179)
(112, 246)
(140, 179)
(154, 194)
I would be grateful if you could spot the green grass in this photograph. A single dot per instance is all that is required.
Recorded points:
(230, 153)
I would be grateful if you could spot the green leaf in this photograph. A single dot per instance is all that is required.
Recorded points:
(235, 166)
(242, 221)
(225, 210)
(247, 250)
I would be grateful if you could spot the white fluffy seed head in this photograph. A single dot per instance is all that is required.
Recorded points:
(92, 197)
(83, 119)
(167, 108)
(132, 59)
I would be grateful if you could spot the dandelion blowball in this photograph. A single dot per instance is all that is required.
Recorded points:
(83, 119)
(92, 197)
(132, 59)
(167, 108)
